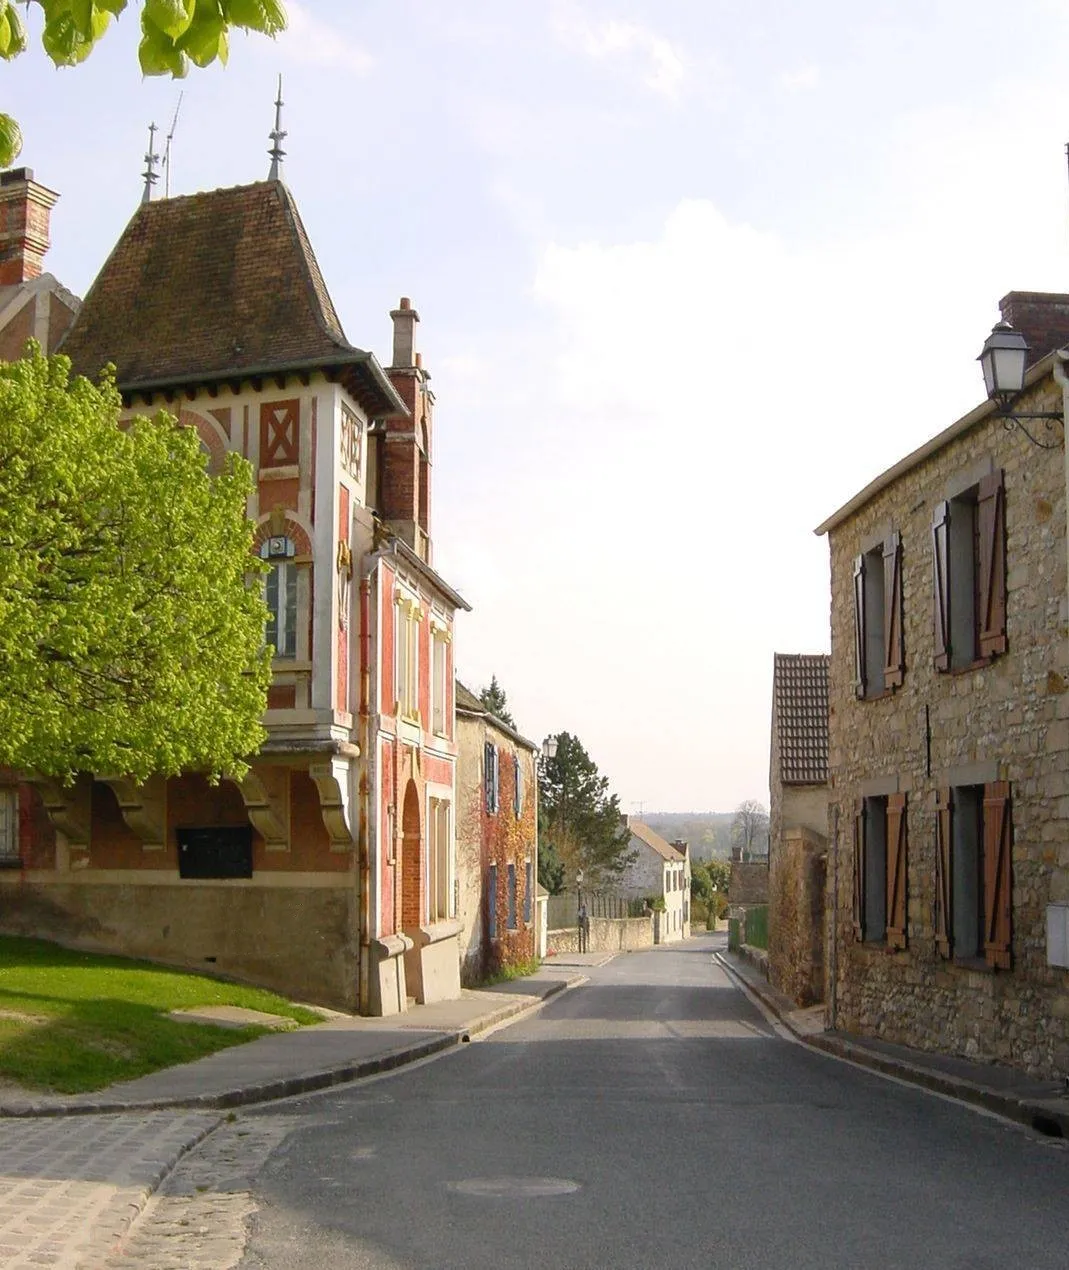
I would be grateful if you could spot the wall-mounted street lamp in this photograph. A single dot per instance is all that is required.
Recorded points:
(549, 747)
(1003, 359)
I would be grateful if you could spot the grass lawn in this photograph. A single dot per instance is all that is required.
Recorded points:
(72, 1022)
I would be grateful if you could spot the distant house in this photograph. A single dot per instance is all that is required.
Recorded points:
(798, 825)
(497, 841)
(659, 870)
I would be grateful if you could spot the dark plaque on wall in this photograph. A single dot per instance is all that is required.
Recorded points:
(215, 853)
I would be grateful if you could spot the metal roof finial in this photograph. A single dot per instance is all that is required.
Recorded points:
(276, 152)
(151, 159)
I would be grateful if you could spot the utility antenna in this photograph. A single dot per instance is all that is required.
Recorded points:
(151, 159)
(276, 152)
(167, 149)
(640, 808)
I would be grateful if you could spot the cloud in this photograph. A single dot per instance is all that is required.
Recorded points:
(651, 57)
(802, 79)
(312, 41)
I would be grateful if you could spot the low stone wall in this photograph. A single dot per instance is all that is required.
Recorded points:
(607, 934)
(796, 916)
(749, 882)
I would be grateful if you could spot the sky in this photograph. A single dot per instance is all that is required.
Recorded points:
(690, 274)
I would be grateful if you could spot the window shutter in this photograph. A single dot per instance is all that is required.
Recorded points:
(859, 624)
(497, 777)
(998, 875)
(991, 522)
(488, 774)
(896, 871)
(859, 874)
(943, 920)
(941, 580)
(894, 652)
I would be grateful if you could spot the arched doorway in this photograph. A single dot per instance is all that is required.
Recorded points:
(411, 861)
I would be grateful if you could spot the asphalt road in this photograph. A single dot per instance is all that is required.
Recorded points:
(650, 1118)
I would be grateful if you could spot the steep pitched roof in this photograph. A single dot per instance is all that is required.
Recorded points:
(469, 704)
(654, 841)
(213, 286)
(800, 715)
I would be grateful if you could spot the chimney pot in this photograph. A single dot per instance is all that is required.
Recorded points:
(25, 211)
(404, 334)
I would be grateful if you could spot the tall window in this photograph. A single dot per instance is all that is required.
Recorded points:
(438, 859)
(406, 655)
(439, 677)
(880, 871)
(969, 558)
(879, 653)
(491, 777)
(512, 896)
(280, 594)
(9, 827)
(491, 901)
(973, 867)
(528, 882)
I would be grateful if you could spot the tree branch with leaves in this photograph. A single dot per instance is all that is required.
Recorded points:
(175, 34)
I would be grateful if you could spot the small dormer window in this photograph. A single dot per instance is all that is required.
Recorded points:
(280, 594)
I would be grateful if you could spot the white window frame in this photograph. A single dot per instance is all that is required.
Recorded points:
(439, 668)
(283, 612)
(406, 654)
(440, 905)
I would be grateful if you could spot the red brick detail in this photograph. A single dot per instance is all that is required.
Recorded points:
(279, 432)
(281, 697)
(411, 860)
(293, 529)
(209, 438)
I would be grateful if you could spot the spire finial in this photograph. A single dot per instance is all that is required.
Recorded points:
(276, 152)
(151, 159)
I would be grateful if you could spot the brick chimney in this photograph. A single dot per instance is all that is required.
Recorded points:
(405, 484)
(25, 210)
(1042, 317)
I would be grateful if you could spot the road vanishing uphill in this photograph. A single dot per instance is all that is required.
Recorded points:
(652, 1116)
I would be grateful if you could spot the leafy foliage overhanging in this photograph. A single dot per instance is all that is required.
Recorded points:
(174, 35)
(578, 816)
(131, 614)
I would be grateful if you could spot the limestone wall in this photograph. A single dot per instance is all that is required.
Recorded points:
(749, 882)
(607, 934)
(796, 915)
(1008, 720)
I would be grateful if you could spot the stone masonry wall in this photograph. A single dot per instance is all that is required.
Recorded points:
(1011, 715)
(749, 882)
(796, 915)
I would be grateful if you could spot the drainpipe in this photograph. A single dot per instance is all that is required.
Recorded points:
(364, 795)
(833, 968)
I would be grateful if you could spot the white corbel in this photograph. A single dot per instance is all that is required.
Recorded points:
(143, 807)
(331, 779)
(267, 804)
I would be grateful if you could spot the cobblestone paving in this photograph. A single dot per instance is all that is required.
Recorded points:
(198, 1220)
(70, 1186)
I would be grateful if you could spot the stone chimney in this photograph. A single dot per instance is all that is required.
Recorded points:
(25, 210)
(404, 333)
(1042, 317)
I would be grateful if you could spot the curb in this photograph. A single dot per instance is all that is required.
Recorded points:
(1046, 1116)
(287, 1087)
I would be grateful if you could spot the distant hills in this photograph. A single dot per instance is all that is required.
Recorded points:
(708, 832)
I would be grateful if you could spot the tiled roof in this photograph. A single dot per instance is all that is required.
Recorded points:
(216, 284)
(469, 704)
(800, 717)
(653, 840)
(468, 701)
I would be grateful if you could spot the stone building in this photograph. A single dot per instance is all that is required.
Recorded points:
(659, 870)
(497, 841)
(798, 825)
(327, 872)
(948, 743)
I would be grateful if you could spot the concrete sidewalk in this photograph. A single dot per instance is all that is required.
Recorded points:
(285, 1063)
(1043, 1105)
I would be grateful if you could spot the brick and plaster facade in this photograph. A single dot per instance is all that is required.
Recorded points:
(497, 841)
(949, 744)
(327, 872)
(798, 825)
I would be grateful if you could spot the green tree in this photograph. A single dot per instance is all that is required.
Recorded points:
(496, 702)
(174, 35)
(131, 615)
(550, 867)
(701, 885)
(719, 872)
(579, 817)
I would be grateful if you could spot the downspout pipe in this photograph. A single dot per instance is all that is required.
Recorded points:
(363, 842)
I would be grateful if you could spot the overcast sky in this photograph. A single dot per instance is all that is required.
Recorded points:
(690, 274)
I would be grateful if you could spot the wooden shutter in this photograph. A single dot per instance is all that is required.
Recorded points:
(859, 873)
(859, 625)
(489, 776)
(991, 527)
(998, 875)
(941, 581)
(944, 924)
(896, 871)
(894, 652)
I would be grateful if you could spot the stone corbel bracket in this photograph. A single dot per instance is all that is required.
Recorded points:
(267, 810)
(69, 808)
(331, 778)
(143, 807)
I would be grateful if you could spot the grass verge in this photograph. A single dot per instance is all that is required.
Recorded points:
(71, 1022)
(513, 970)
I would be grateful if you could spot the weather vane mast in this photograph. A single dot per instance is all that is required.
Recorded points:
(151, 159)
(276, 152)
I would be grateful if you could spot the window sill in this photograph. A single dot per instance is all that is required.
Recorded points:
(980, 664)
(12, 863)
